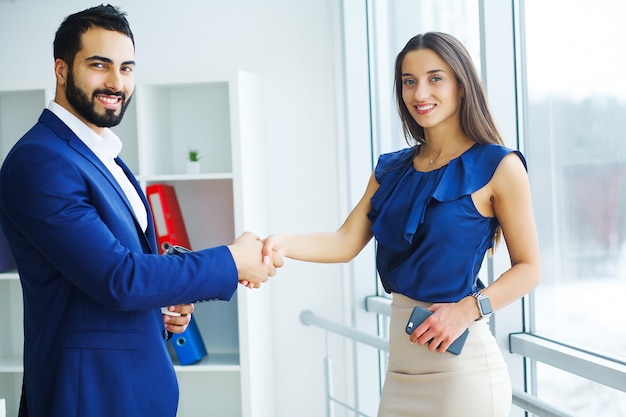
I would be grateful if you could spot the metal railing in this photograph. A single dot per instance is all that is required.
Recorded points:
(521, 399)
(589, 365)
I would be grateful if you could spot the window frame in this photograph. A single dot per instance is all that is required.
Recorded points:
(501, 29)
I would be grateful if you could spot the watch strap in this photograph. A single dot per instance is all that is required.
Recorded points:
(484, 305)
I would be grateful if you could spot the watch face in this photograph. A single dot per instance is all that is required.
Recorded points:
(485, 306)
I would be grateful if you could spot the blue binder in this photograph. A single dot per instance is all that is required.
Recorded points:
(188, 345)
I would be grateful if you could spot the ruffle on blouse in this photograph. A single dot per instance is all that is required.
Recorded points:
(393, 225)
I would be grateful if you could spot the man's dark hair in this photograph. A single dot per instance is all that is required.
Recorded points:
(67, 41)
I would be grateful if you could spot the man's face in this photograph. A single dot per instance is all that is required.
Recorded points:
(100, 82)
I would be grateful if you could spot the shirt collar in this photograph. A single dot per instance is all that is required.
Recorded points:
(107, 145)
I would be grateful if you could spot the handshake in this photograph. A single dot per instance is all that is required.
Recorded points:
(254, 263)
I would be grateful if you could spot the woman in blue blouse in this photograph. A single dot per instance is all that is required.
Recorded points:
(435, 209)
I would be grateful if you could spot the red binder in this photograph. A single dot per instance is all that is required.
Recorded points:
(168, 218)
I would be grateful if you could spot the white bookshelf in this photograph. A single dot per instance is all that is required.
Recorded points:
(219, 115)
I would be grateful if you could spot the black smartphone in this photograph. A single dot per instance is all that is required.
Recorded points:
(420, 314)
(175, 250)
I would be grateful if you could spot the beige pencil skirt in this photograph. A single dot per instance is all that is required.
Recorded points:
(421, 383)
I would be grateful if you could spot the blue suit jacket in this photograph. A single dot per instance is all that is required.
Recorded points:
(93, 283)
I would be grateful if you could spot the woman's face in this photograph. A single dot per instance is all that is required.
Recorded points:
(430, 90)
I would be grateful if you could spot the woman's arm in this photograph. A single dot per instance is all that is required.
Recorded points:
(341, 245)
(512, 206)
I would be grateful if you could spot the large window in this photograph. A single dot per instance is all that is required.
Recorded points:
(392, 24)
(575, 141)
(554, 76)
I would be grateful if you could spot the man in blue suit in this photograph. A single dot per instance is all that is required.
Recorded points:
(79, 227)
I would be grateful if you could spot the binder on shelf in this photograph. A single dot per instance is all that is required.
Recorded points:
(188, 345)
(168, 218)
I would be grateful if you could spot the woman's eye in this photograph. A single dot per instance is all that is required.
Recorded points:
(409, 82)
(435, 79)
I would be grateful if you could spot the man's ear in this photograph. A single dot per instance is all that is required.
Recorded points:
(60, 71)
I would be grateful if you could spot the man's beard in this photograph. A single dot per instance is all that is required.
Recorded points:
(86, 108)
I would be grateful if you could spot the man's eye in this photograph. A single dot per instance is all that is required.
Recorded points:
(128, 69)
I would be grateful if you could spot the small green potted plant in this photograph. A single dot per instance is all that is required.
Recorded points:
(193, 163)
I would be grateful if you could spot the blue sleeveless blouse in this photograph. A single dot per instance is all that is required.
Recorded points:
(431, 239)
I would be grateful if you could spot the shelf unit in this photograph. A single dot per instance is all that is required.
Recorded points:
(220, 116)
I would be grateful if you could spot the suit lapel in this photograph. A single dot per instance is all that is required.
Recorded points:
(150, 234)
(64, 132)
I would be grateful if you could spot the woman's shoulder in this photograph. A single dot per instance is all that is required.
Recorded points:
(398, 157)
(388, 162)
(489, 155)
(472, 170)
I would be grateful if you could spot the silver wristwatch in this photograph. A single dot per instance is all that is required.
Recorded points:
(484, 305)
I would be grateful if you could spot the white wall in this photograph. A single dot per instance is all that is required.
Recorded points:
(294, 45)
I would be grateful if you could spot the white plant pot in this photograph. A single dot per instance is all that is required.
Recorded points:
(193, 167)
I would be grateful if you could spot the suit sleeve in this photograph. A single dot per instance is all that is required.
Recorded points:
(69, 222)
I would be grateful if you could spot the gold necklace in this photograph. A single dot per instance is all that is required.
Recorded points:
(432, 161)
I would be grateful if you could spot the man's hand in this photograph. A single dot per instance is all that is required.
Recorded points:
(178, 317)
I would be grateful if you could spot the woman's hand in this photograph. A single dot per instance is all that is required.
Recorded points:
(444, 326)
